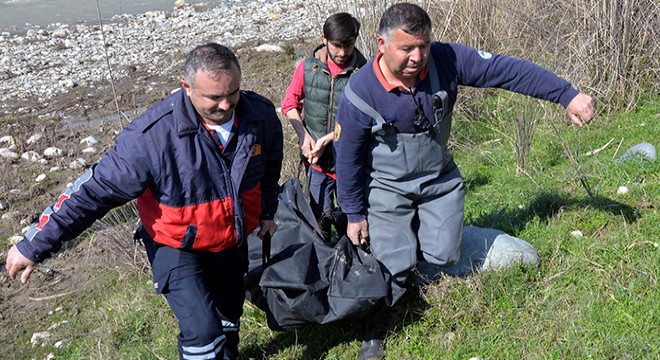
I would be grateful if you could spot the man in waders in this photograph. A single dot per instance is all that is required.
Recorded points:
(318, 80)
(397, 182)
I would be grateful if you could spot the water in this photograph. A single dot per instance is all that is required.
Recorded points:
(15, 14)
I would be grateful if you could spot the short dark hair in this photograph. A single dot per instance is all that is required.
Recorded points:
(341, 27)
(211, 58)
(408, 17)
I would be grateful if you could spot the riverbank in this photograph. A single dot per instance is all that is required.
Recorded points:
(48, 62)
(55, 88)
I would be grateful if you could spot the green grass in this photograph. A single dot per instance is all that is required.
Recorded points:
(592, 297)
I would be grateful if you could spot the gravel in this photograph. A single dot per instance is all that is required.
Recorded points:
(48, 61)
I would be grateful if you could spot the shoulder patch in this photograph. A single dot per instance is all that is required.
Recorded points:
(485, 54)
(337, 132)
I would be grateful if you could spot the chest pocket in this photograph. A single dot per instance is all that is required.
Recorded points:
(255, 169)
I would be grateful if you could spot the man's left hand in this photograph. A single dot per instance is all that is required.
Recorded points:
(266, 226)
(581, 109)
(319, 147)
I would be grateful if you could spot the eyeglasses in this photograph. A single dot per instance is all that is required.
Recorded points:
(421, 122)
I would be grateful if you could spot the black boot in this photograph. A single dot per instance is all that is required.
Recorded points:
(373, 341)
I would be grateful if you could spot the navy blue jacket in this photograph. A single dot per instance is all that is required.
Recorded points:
(456, 65)
(190, 194)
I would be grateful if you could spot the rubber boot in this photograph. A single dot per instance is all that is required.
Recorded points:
(373, 339)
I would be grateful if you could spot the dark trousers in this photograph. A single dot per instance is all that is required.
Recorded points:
(323, 191)
(205, 292)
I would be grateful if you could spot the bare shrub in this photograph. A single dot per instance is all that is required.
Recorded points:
(115, 231)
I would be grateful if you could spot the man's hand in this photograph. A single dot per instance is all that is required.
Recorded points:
(319, 147)
(581, 109)
(358, 232)
(307, 145)
(266, 226)
(17, 262)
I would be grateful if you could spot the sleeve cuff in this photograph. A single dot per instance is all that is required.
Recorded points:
(24, 248)
(567, 96)
(355, 218)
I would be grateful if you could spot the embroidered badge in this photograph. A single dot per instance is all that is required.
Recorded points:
(337, 131)
(485, 55)
(256, 150)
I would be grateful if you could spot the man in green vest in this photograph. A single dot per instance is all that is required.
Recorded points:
(318, 81)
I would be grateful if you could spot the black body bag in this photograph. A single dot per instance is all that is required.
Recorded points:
(307, 280)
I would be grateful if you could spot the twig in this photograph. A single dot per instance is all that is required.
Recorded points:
(573, 162)
(52, 296)
(107, 61)
(594, 152)
(617, 148)
(529, 176)
(154, 354)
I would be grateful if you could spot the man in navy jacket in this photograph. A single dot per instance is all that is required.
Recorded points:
(397, 182)
(204, 166)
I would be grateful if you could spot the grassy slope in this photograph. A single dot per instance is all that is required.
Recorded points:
(592, 297)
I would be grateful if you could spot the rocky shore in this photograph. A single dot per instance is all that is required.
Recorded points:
(48, 61)
(56, 101)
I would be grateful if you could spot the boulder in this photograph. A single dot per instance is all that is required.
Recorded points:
(643, 150)
(482, 249)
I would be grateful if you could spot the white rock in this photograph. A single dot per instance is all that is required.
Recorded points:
(68, 83)
(53, 152)
(13, 240)
(56, 325)
(2, 205)
(622, 190)
(643, 150)
(79, 163)
(40, 338)
(40, 178)
(59, 33)
(31, 156)
(54, 169)
(25, 229)
(8, 154)
(9, 141)
(269, 48)
(577, 233)
(90, 141)
(50, 356)
(34, 138)
(11, 215)
(89, 150)
(62, 344)
(481, 249)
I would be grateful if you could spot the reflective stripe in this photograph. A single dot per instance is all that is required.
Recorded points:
(230, 326)
(199, 357)
(45, 216)
(203, 352)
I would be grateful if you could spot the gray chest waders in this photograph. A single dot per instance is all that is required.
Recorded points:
(415, 193)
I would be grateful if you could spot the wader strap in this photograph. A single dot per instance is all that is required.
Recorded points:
(354, 99)
(365, 108)
(440, 97)
(433, 73)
